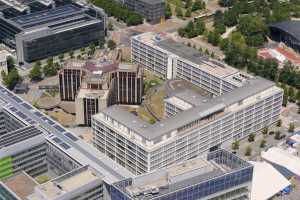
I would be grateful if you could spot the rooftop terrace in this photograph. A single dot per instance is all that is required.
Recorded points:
(69, 182)
(21, 184)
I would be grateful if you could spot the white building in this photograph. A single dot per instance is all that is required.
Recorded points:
(170, 59)
(82, 183)
(3, 60)
(284, 161)
(266, 181)
(214, 122)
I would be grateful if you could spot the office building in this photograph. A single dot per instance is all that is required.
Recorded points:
(127, 84)
(142, 147)
(168, 59)
(34, 143)
(70, 80)
(194, 123)
(81, 183)
(94, 85)
(50, 32)
(152, 10)
(219, 175)
(89, 102)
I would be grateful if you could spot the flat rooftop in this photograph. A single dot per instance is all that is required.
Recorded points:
(21, 184)
(153, 2)
(184, 174)
(46, 16)
(165, 42)
(218, 68)
(91, 93)
(68, 182)
(154, 132)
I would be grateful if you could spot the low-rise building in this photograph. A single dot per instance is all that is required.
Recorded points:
(219, 175)
(81, 183)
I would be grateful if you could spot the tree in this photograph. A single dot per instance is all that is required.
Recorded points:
(71, 54)
(179, 12)
(254, 29)
(285, 100)
(152, 121)
(235, 145)
(291, 127)
(265, 131)
(277, 135)
(251, 137)
(119, 11)
(279, 123)
(206, 52)
(291, 93)
(262, 144)
(11, 79)
(298, 96)
(168, 11)
(199, 27)
(213, 38)
(92, 49)
(188, 12)
(50, 69)
(35, 73)
(82, 50)
(110, 26)
(198, 5)
(220, 28)
(226, 3)
(61, 57)
(111, 44)
(188, 3)
(248, 151)
(10, 63)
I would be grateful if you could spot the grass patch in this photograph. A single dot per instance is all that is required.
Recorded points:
(42, 179)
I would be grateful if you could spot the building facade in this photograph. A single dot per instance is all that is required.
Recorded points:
(89, 102)
(141, 147)
(49, 32)
(70, 80)
(127, 84)
(169, 59)
(152, 10)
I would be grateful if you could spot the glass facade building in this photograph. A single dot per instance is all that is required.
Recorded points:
(50, 32)
(231, 184)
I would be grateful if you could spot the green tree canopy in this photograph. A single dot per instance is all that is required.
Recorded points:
(111, 44)
(35, 73)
